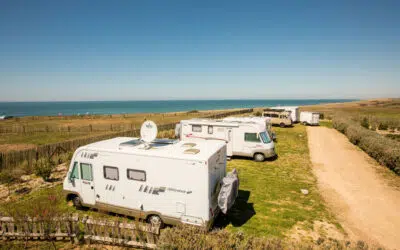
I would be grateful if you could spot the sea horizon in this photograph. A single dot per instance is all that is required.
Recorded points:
(65, 108)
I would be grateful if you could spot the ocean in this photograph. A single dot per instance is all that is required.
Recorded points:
(128, 107)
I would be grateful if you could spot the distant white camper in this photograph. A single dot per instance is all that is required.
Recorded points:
(295, 112)
(249, 139)
(309, 118)
(161, 181)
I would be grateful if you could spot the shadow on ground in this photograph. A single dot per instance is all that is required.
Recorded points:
(239, 214)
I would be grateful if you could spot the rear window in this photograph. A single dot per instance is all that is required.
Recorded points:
(111, 173)
(136, 175)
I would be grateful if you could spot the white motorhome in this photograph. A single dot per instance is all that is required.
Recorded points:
(309, 118)
(265, 121)
(249, 139)
(295, 112)
(162, 181)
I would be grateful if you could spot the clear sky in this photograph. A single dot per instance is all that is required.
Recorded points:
(151, 50)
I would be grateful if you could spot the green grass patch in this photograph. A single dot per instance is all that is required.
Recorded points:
(274, 188)
(326, 123)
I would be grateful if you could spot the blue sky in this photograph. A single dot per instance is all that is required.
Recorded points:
(151, 50)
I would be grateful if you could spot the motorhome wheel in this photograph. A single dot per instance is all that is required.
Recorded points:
(305, 123)
(155, 220)
(282, 125)
(77, 202)
(259, 157)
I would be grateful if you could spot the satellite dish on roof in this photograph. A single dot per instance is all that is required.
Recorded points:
(148, 131)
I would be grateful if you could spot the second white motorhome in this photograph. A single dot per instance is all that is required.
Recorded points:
(295, 112)
(249, 139)
(161, 181)
(265, 121)
(309, 118)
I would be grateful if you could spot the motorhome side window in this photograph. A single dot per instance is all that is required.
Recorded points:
(196, 128)
(111, 173)
(210, 129)
(137, 175)
(86, 172)
(251, 137)
(275, 115)
(75, 171)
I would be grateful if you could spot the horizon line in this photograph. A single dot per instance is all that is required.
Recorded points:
(222, 99)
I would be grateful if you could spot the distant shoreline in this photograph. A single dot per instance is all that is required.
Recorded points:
(100, 108)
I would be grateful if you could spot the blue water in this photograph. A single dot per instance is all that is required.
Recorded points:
(127, 107)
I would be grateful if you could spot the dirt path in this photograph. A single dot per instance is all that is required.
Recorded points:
(367, 207)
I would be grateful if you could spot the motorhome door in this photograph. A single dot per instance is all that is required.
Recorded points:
(87, 186)
(229, 138)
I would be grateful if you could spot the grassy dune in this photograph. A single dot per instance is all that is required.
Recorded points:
(21, 133)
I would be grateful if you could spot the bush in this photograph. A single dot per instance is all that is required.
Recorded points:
(382, 149)
(190, 237)
(258, 113)
(43, 168)
(365, 123)
(383, 126)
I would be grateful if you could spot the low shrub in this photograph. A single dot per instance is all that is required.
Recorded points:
(43, 168)
(383, 126)
(381, 148)
(190, 237)
(258, 113)
(365, 123)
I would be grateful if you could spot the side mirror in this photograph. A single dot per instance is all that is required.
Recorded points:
(71, 178)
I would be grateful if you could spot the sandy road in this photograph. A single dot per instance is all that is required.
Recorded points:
(365, 205)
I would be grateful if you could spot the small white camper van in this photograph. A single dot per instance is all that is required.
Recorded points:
(309, 118)
(249, 139)
(295, 112)
(162, 181)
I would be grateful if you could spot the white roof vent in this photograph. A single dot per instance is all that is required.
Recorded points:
(188, 145)
(192, 151)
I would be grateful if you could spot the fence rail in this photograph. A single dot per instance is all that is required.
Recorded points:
(76, 229)
(13, 158)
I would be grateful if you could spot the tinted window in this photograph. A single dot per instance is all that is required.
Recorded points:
(196, 128)
(137, 175)
(210, 129)
(86, 172)
(111, 173)
(251, 137)
(274, 115)
(75, 171)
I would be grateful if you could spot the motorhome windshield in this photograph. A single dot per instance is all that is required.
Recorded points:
(265, 137)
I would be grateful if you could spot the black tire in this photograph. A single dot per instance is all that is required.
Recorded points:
(77, 202)
(259, 157)
(155, 220)
(282, 125)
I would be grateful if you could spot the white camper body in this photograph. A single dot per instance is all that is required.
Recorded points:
(249, 139)
(309, 118)
(295, 112)
(167, 181)
(265, 121)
